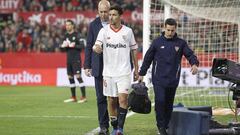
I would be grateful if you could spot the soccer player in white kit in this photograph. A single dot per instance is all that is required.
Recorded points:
(115, 41)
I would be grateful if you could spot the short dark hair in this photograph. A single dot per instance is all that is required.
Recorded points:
(71, 21)
(118, 8)
(170, 21)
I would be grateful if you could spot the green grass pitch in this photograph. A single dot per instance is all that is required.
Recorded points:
(41, 111)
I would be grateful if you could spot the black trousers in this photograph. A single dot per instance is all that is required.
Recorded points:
(164, 98)
(103, 118)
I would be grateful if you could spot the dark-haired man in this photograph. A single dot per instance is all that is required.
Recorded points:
(93, 64)
(166, 54)
(116, 41)
(72, 45)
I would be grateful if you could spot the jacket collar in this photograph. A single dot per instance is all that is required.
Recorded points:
(174, 37)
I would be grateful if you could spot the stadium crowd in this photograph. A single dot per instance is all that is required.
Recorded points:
(75, 5)
(23, 36)
(203, 36)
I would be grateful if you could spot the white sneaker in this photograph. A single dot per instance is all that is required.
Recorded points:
(82, 100)
(70, 100)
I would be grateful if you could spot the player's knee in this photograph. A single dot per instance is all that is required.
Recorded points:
(78, 75)
(70, 76)
(123, 102)
(80, 80)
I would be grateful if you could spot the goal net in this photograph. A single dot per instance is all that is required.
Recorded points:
(211, 28)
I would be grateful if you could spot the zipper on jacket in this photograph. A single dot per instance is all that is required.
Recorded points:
(178, 70)
(155, 68)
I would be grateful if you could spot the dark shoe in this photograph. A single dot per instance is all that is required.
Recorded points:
(162, 131)
(103, 131)
(120, 131)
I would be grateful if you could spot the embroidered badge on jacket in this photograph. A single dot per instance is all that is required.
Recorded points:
(176, 48)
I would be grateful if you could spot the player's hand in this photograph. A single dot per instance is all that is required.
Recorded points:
(140, 78)
(72, 45)
(64, 44)
(97, 48)
(88, 72)
(135, 75)
(194, 69)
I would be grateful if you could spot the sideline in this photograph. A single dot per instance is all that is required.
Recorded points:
(94, 131)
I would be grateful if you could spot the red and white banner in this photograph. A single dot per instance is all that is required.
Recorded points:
(57, 18)
(58, 77)
(33, 60)
(62, 78)
(204, 78)
(31, 77)
(9, 6)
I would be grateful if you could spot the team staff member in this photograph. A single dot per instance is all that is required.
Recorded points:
(73, 48)
(166, 53)
(93, 64)
(116, 41)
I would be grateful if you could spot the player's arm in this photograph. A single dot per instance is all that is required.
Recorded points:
(64, 42)
(98, 46)
(134, 46)
(80, 43)
(135, 63)
(191, 57)
(147, 61)
(63, 46)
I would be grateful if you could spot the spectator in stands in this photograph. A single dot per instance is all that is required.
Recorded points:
(36, 6)
(93, 64)
(2, 43)
(35, 30)
(166, 53)
(73, 48)
(24, 41)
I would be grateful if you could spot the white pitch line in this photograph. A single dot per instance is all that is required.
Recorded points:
(44, 116)
(190, 92)
(94, 131)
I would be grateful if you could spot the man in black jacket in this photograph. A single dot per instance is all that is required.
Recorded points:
(93, 64)
(73, 48)
(166, 54)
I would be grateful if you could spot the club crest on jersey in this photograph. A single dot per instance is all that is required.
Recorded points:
(108, 38)
(176, 48)
(124, 37)
(73, 38)
(104, 83)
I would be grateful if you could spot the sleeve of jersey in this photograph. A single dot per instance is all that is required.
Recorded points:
(133, 44)
(100, 37)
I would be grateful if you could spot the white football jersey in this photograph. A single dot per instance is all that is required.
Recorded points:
(116, 50)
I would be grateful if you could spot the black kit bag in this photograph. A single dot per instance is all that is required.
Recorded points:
(138, 99)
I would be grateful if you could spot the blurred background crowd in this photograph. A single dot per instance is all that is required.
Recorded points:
(19, 35)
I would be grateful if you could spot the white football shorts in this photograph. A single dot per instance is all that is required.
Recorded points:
(114, 85)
